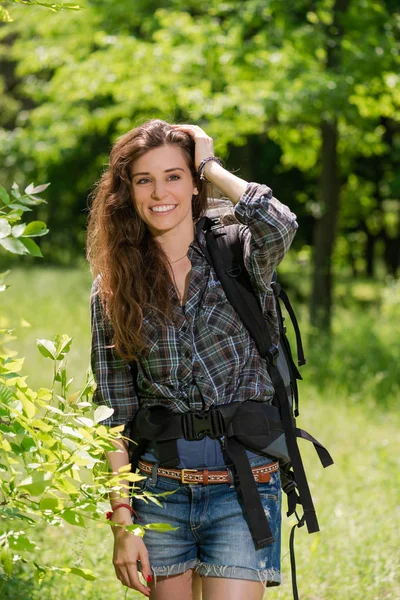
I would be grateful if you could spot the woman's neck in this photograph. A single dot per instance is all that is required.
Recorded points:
(176, 245)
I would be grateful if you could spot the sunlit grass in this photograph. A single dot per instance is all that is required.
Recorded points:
(348, 401)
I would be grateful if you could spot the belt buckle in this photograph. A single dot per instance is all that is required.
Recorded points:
(183, 476)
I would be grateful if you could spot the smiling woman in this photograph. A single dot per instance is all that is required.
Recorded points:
(141, 221)
(156, 300)
(163, 199)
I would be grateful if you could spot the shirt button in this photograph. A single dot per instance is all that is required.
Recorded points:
(187, 353)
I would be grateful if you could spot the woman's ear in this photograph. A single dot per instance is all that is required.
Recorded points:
(195, 191)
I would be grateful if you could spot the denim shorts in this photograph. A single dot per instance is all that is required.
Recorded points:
(213, 536)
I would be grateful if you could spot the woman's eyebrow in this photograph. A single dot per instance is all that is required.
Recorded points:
(166, 171)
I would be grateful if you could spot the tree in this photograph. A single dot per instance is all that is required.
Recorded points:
(307, 76)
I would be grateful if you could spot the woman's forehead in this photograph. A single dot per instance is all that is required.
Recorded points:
(161, 159)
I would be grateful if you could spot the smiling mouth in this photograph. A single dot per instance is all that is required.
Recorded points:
(163, 210)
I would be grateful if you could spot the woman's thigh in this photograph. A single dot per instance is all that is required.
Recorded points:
(215, 588)
(185, 586)
(190, 586)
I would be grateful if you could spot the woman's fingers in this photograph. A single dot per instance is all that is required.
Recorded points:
(127, 551)
(204, 144)
(135, 581)
(130, 578)
(145, 563)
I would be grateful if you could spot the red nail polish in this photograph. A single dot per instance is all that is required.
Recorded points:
(149, 578)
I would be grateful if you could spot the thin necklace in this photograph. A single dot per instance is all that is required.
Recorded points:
(175, 261)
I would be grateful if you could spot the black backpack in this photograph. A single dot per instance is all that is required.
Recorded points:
(224, 253)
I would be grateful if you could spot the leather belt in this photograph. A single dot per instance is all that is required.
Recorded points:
(261, 474)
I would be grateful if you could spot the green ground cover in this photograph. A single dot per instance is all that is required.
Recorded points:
(348, 402)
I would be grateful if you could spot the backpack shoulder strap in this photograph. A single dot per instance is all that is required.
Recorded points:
(224, 253)
(228, 263)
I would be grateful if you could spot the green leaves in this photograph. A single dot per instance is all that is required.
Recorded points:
(14, 246)
(52, 459)
(160, 527)
(35, 229)
(16, 237)
(73, 518)
(31, 189)
(36, 483)
(47, 348)
(55, 349)
(5, 228)
(31, 247)
(6, 560)
(84, 573)
(4, 197)
(102, 412)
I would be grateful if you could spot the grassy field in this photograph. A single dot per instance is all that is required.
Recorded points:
(348, 401)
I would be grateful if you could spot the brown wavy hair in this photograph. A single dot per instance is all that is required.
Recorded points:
(131, 267)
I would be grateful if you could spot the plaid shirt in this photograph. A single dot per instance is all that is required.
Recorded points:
(206, 357)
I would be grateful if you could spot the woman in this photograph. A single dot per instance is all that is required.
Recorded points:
(157, 299)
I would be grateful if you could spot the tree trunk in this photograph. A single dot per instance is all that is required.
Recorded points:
(391, 254)
(325, 230)
(326, 225)
(369, 254)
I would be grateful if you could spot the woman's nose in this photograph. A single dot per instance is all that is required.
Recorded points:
(158, 190)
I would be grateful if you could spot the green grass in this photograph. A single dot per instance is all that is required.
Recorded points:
(348, 401)
(51, 301)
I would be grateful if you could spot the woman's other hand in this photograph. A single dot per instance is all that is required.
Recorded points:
(128, 549)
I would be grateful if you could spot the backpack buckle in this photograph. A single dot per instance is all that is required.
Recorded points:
(195, 426)
(273, 355)
(217, 228)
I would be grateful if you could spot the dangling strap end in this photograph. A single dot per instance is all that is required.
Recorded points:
(263, 543)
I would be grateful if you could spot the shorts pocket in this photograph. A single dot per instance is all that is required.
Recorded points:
(142, 485)
(269, 496)
(272, 488)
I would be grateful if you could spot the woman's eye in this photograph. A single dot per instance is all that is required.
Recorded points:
(146, 179)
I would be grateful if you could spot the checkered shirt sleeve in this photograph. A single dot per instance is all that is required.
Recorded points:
(270, 227)
(112, 374)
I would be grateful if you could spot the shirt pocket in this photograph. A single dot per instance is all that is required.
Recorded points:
(218, 313)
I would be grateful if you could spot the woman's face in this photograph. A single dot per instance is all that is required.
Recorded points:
(162, 190)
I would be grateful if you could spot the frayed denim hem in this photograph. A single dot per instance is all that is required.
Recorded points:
(175, 569)
(268, 577)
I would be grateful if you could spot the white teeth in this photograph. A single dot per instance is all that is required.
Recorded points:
(162, 208)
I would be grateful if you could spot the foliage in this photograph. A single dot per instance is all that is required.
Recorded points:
(16, 238)
(6, 17)
(51, 456)
(52, 443)
(357, 499)
(239, 69)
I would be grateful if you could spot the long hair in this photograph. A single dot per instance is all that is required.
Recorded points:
(133, 268)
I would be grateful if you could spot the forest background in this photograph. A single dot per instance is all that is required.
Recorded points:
(303, 96)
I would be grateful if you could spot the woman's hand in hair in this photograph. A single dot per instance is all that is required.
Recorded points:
(204, 144)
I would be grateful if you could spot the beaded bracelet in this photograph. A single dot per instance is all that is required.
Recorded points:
(110, 513)
(202, 165)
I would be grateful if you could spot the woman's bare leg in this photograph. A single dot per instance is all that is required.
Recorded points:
(185, 586)
(215, 588)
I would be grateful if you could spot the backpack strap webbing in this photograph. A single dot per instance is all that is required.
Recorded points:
(226, 256)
